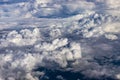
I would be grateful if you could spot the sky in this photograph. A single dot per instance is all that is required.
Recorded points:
(68, 35)
(54, 8)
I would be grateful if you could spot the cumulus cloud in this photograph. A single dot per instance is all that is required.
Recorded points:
(56, 52)
(23, 65)
(113, 4)
(59, 8)
(112, 27)
(118, 76)
(82, 43)
(54, 9)
(48, 8)
(110, 3)
(59, 52)
(111, 36)
(24, 37)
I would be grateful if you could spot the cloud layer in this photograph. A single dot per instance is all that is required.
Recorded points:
(54, 9)
(81, 36)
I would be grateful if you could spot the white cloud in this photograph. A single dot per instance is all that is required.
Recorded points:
(20, 59)
(110, 3)
(43, 1)
(57, 43)
(113, 3)
(69, 56)
(118, 76)
(111, 36)
(24, 50)
(112, 27)
(24, 37)
(52, 8)
(79, 5)
(14, 37)
(55, 33)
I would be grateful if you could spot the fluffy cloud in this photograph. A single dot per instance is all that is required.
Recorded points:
(54, 9)
(25, 37)
(48, 8)
(58, 8)
(110, 3)
(113, 4)
(112, 28)
(56, 52)
(24, 62)
(87, 42)
(111, 36)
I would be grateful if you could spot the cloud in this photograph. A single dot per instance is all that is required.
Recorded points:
(56, 52)
(24, 37)
(108, 3)
(82, 43)
(113, 4)
(112, 28)
(111, 36)
(118, 76)
(23, 63)
(53, 8)
(56, 9)
(45, 9)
